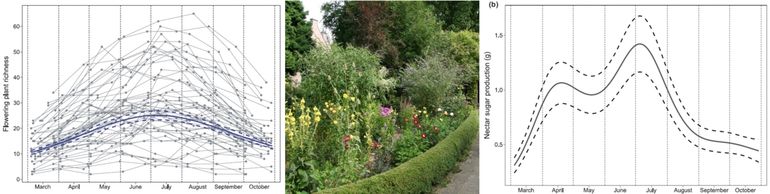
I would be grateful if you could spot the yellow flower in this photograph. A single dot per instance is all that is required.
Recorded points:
(335, 122)
(345, 95)
(316, 114)
(290, 133)
(291, 120)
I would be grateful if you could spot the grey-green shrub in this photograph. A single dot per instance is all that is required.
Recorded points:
(433, 82)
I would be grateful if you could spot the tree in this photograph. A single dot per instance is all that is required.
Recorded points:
(464, 49)
(415, 28)
(298, 35)
(362, 24)
(457, 15)
(398, 31)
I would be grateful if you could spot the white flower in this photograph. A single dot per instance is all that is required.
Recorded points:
(451, 114)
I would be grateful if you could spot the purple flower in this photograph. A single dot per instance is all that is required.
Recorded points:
(385, 111)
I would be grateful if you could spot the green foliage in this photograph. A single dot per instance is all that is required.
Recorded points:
(362, 24)
(422, 129)
(298, 35)
(400, 31)
(300, 174)
(433, 82)
(330, 71)
(342, 18)
(464, 49)
(457, 15)
(410, 146)
(414, 28)
(326, 145)
(419, 174)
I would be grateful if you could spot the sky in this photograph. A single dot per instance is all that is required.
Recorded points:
(313, 8)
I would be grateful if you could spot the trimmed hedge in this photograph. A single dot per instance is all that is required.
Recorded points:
(421, 173)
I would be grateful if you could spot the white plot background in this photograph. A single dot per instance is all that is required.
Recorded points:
(239, 92)
(705, 63)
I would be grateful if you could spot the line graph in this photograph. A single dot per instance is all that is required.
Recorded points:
(146, 93)
(634, 95)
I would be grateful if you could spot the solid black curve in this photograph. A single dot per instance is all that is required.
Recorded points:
(668, 92)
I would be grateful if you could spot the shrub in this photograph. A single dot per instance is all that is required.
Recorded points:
(433, 82)
(414, 28)
(464, 48)
(331, 71)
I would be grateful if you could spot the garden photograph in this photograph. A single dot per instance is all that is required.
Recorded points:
(381, 96)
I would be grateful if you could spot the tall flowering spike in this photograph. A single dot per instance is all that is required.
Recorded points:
(316, 115)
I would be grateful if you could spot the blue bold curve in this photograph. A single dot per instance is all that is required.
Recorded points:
(159, 114)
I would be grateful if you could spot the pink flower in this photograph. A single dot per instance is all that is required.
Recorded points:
(385, 111)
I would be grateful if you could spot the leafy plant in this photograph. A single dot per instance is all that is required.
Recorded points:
(433, 82)
(457, 15)
(464, 49)
(422, 129)
(301, 127)
(330, 71)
